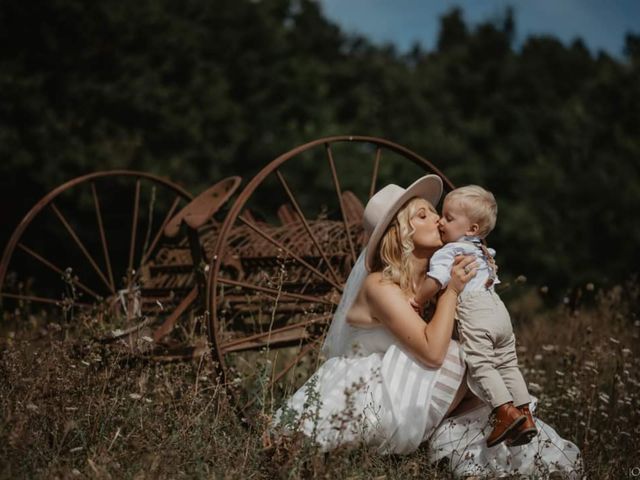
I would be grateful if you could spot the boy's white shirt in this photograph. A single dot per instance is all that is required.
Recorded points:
(441, 262)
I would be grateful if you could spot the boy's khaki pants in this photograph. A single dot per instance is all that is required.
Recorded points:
(489, 345)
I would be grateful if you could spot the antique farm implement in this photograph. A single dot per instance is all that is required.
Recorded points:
(263, 269)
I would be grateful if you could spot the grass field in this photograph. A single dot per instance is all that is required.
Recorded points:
(74, 408)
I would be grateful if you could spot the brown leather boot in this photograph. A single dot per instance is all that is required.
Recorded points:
(506, 417)
(525, 432)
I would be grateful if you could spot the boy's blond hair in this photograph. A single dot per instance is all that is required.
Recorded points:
(479, 205)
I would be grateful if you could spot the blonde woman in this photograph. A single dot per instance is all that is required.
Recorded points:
(392, 381)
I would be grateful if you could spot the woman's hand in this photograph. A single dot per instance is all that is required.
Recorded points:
(464, 268)
(417, 307)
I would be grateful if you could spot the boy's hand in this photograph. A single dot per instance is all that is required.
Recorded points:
(416, 306)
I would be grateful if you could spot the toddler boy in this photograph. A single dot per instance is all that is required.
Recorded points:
(484, 326)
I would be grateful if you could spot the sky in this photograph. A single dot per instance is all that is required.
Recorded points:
(601, 24)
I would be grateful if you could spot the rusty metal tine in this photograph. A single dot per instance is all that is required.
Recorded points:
(277, 244)
(80, 245)
(170, 322)
(336, 183)
(374, 177)
(306, 225)
(156, 239)
(257, 336)
(275, 292)
(57, 269)
(134, 227)
(103, 237)
(32, 298)
(302, 353)
(283, 372)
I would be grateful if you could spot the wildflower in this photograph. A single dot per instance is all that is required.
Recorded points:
(521, 279)
(537, 357)
(135, 396)
(534, 387)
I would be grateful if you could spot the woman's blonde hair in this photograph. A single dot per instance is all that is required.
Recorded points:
(396, 246)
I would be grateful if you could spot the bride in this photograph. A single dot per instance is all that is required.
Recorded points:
(392, 381)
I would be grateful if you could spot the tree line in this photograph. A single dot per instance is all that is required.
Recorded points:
(197, 90)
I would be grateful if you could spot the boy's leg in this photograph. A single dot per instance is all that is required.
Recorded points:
(507, 365)
(474, 327)
(506, 358)
(510, 372)
(477, 327)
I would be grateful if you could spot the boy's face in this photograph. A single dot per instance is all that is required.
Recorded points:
(454, 222)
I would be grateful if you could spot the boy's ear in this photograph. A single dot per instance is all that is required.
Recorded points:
(474, 228)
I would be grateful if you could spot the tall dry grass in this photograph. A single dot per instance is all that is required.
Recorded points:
(73, 408)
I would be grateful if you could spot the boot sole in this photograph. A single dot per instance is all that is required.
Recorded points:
(523, 437)
(507, 431)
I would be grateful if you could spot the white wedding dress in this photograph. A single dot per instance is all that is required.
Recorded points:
(370, 391)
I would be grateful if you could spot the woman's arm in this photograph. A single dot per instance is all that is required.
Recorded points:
(427, 291)
(428, 343)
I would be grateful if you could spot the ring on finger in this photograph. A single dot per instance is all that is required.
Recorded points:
(466, 269)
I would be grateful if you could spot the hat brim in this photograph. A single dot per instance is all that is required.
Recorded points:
(428, 187)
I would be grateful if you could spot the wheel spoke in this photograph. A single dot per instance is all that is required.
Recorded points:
(32, 298)
(277, 244)
(273, 338)
(58, 270)
(81, 246)
(276, 293)
(336, 184)
(298, 210)
(134, 227)
(147, 235)
(103, 237)
(156, 239)
(374, 177)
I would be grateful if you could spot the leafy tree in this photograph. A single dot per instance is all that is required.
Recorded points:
(198, 90)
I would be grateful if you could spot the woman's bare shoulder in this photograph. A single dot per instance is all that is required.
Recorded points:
(375, 285)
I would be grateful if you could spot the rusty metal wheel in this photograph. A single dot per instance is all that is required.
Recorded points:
(94, 241)
(283, 255)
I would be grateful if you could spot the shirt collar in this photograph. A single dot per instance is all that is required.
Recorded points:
(471, 238)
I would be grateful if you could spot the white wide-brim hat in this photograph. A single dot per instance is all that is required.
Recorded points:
(384, 205)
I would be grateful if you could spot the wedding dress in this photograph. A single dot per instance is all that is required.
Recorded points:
(370, 391)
